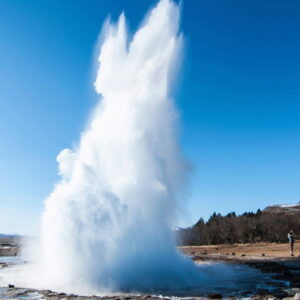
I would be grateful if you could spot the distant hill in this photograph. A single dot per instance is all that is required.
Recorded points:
(283, 208)
(2, 235)
(268, 225)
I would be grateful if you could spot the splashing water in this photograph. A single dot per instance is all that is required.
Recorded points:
(107, 224)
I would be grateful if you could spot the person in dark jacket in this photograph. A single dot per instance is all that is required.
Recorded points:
(291, 241)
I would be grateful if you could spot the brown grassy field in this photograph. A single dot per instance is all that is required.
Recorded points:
(253, 249)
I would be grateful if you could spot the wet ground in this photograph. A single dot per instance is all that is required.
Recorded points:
(282, 275)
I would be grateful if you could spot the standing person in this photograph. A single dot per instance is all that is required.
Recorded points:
(291, 240)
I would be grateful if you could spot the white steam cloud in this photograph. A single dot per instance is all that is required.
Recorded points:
(107, 224)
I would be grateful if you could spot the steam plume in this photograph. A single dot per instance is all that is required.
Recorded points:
(107, 224)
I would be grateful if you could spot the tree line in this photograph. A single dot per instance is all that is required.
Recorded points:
(246, 228)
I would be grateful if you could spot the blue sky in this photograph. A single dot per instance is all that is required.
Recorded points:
(238, 94)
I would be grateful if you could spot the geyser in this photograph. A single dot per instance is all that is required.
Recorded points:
(107, 224)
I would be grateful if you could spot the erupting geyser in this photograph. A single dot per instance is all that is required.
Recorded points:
(107, 224)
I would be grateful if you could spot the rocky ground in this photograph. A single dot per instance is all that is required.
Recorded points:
(31, 294)
(20, 293)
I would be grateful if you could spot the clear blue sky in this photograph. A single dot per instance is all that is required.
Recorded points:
(239, 97)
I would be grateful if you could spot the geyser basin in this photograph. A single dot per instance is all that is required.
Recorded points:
(225, 279)
(107, 225)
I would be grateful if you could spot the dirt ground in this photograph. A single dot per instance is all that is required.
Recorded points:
(243, 250)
